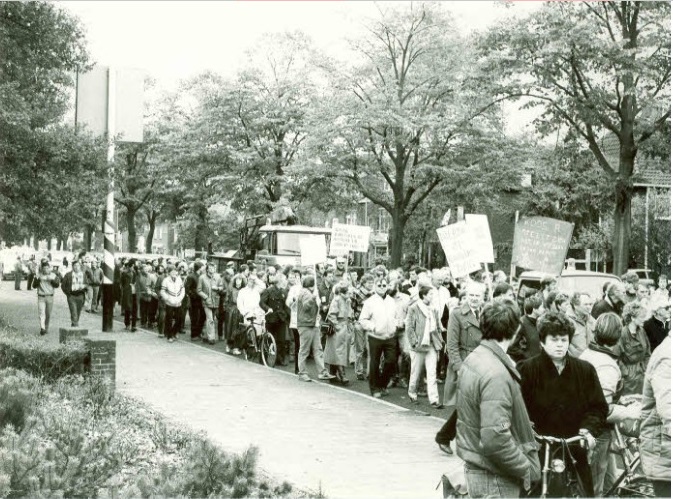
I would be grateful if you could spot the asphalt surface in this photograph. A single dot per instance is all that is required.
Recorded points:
(317, 436)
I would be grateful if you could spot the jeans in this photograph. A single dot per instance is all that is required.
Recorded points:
(75, 304)
(378, 381)
(483, 483)
(429, 359)
(95, 290)
(144, 307)
(172, 322)
(309, 341)
(361, 346)
(88, 296)
(210, 322)
(18, 277)
(603, 466)
(44, 306)
(403, 361)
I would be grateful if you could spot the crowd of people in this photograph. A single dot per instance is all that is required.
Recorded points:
(511, 363)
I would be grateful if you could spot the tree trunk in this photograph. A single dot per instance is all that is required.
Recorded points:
(151, 221)
(201, 235)
(131, 227)
(49, 244)
(396, 237)
(622, 234)
(87, 237)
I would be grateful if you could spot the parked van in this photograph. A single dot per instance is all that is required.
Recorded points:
(570, 281)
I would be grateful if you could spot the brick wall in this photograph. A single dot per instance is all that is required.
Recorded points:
(102, 353)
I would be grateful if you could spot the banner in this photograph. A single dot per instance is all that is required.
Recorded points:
(313, 249)
(541, 244)
(459, 245)
(347, 238)
(483, 250)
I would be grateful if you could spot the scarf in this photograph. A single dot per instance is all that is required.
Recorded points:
(429, 323)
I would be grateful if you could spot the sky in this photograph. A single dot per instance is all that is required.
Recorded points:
(174, 40)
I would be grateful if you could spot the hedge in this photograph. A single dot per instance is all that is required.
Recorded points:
(44, 360)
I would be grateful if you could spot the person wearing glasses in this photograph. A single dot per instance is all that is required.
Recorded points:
(378, 321)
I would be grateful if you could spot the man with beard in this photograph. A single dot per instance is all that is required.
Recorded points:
(613, 302)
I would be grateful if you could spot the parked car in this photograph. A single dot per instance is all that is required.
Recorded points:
(645, 276)
(569, 282)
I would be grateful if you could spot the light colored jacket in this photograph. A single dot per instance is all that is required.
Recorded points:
(172, 292)
(655, 426)
(584, 333)
(493, 431)
(415, 328)
(378, 317)
(463, 335)
(206, 289)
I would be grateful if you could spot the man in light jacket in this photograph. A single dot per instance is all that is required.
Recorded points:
(172, 293)
(494, 435)
(378, 321)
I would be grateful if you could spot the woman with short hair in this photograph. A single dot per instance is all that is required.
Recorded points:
(336, 345)
(633, 348)
(563, 394)
(601, 355)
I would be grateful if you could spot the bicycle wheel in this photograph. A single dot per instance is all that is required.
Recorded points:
(269, 351)
(251, 351)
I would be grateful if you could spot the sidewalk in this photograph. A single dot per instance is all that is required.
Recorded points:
(314, 435)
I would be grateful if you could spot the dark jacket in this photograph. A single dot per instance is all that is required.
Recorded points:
(66, 286)
(307, 309)
(191, 285)
(463, 335)
(493, 431)
(656, 331)
(128, 278)
(526, 343)
(274, 298)
(561, 404)
(602, 306)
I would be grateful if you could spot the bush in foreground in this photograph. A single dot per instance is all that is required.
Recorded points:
(77, 438)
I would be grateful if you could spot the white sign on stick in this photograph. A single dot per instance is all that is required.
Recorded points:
(483, 251)
(458, 243)
(346, 238)
(313, 249)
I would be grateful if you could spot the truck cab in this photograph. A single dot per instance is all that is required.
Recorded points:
(280, 244)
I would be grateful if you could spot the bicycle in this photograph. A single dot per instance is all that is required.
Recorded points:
(628, 483)
(555, 470)
(260, 345)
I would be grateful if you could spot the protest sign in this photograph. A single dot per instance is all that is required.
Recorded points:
(541, 244)
(458, 243)
(347, 238)
(313, 249)
(483, 251)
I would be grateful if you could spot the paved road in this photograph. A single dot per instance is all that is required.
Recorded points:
(315, 435)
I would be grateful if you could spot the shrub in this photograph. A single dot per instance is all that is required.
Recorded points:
(43, 360)
(17, 397)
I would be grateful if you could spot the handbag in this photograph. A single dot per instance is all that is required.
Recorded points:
(327, 329)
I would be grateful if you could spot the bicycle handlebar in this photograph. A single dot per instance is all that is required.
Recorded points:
(556, 440)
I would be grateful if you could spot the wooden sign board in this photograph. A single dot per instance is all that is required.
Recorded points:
(541, 244)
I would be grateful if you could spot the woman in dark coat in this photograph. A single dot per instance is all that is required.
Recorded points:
(563, 394)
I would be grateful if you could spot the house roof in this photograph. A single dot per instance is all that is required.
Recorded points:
(652, 173)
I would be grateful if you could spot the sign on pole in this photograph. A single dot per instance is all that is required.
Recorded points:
(541, 244)
(346, 238)
(313, 249)
(459, 245)
(483, 250)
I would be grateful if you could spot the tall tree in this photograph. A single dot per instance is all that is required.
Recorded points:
(40, 47)
(598, 68)
(404, 115)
